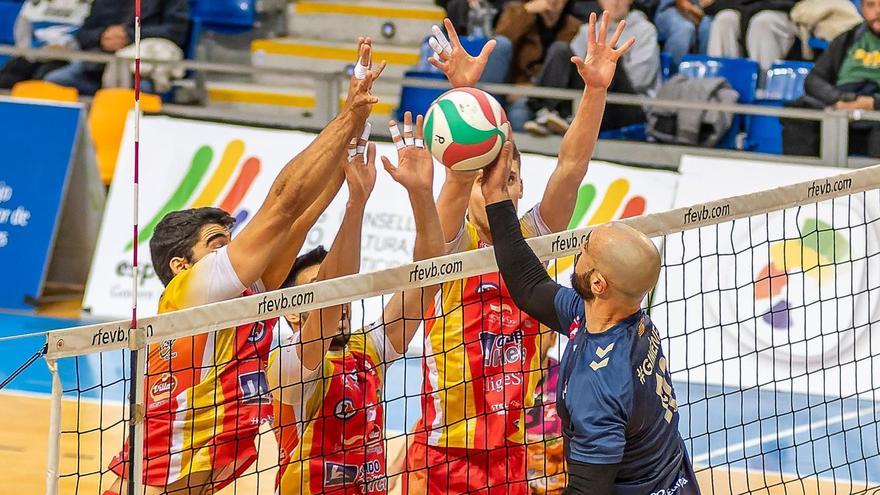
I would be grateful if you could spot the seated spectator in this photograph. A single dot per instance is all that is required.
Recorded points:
(769, 33)
(846, 77)
(638, 74)
(531, 27)
(684, 25)
(110, 27)
(42, 23)
(465, 14)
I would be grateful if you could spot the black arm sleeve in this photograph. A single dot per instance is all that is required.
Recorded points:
(527, 280)
(593, 479)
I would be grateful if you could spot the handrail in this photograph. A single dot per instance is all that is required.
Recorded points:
(834, 123)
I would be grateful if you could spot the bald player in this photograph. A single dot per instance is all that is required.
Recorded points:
(615, 397)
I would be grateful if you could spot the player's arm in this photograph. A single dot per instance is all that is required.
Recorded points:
(344, 258)
(460, 68)
(597, 71)
(452, 203)
(592, 478)
(300, 182)
(530, 286)
(415, 172)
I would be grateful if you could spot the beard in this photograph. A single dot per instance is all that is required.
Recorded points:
(581, 285)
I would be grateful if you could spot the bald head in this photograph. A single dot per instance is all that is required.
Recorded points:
(626, 258)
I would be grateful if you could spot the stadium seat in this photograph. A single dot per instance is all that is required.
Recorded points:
(222, 16)
(416, 99)
(785, 82)
(8, 13)
(107, 123)
(44, 90)
(666, 66)
(741, 74)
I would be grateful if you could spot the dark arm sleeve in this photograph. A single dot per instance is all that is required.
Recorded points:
(822, 80)
(89, 34)
(595, 479)
(526, 278)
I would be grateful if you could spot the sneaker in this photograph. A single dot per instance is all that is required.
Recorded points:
(557, 124)
(538, 126)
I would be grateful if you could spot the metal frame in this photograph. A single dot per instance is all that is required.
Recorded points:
(834, 123)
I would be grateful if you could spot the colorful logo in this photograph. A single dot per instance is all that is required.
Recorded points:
(813, 256)
(182, 197)
(615, 196)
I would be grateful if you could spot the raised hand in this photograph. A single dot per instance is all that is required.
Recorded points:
(495, 176)
(415, 166)
(360, 99)
(360, 175)
(455, 62)
(597, 70)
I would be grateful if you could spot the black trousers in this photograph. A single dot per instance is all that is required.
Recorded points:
(559, 72)
(802, 137)
(19, 69)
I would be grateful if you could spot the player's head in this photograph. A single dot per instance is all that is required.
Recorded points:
(871, 13)
(183, 237)
(616, 264)
(477, 204)
(305, 271)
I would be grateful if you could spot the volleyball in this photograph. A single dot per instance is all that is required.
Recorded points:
(465, 129)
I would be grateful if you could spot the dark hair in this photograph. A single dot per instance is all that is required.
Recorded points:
(310, 258)
(178, 232)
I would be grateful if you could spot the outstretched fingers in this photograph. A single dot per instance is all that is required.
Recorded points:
(603, 29)
(420, 132)
(487, 50)
(453, 35)
(395, 135)
(591, 32)
(626, 46)
(617, 33)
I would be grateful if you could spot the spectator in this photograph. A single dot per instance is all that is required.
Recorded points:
(769, 33)
(531, 27)
(465, 13)
(846, 77)
(110, 27)
(683, 24)
(638, 74)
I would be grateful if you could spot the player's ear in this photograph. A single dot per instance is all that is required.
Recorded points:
(178, 264)
(598, 284)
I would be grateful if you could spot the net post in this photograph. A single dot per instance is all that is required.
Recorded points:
(136, 413)
(53, 458)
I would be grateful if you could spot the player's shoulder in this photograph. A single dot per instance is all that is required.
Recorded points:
(172, 297)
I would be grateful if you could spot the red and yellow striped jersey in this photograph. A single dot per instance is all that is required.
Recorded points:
(341, 442)
(481, 361)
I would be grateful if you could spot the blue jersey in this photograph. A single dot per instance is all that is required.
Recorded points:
(617, 404)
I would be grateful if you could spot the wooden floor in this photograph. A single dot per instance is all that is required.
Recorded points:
(24, 440)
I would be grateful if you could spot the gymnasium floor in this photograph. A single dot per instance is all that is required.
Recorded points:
(758, 442)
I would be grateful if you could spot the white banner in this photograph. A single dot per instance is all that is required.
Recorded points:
(787, 300)
(188, 163)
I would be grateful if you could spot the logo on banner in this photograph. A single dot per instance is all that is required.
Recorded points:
(232, 178)
(616, 204)
(812, 258)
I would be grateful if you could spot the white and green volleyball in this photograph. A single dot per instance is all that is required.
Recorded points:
(465, 129)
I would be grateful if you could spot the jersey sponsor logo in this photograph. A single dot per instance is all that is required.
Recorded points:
(162, 389)
(487, 287)
(679, 484)
(500, 350)
(254, 388)
(336, 474)
(375, 433)
(602, 354)
(647, 367)
(574, 327)
(166, 350)
(258, 332)
(344, 409)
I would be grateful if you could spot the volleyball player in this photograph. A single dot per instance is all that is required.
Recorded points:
(615, 397)
(331, 376)
(481, 360)
(207, 395)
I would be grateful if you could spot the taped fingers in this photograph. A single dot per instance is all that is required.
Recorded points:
(445, 46)
(395, 135)
(365, 137)
(419, 138)
(407, 129)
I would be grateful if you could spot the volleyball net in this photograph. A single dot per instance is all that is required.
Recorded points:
(767, 308)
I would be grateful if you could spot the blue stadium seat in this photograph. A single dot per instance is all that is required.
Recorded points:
(741, 74)
(785, 82)
(415, 99)
(667, 69)
(635, 132)
(222, 16)
(8, 13)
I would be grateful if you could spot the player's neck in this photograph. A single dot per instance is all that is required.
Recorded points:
(484, 234)
(602, 314)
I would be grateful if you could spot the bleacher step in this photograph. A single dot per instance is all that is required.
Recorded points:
(283, 100)
(326, 57)
(333, 20)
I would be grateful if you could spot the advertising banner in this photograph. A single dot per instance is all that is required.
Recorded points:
(786, 300)
(34, 173)
(187, 164)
